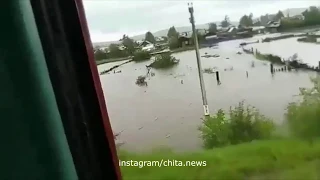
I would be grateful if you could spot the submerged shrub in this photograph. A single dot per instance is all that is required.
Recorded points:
(164, 60)
(141, 56)
(243, 124)
(303, 117)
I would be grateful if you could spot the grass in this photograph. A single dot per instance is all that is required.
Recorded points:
(284, 159)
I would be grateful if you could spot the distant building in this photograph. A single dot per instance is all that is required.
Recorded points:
(145, 45)
(273, 26)
(161, 39)
(185, 38)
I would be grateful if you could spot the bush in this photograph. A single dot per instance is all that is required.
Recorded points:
(141, 56)
(244, 124)
(292, 23)
(141, 80)
(303, 117)
(269, 57)
(164, 60)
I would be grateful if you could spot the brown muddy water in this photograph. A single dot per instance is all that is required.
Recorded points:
(167, 113)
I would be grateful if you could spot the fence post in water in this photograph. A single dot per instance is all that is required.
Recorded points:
(202, 86)
(247, 74)
(218, 78)
(271, 68)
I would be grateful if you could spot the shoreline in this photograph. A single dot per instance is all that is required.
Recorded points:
(105, 61)
(188, 48)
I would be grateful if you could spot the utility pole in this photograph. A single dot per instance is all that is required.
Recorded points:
(195, 35)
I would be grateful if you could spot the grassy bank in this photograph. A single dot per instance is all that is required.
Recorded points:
(299, 29)
(112, 60)
(284, 159)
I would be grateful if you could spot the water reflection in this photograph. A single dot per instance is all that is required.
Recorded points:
(168, 112)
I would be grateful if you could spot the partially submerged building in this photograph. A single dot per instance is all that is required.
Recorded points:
(273, 26)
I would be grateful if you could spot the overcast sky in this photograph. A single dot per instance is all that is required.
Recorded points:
(109, 19)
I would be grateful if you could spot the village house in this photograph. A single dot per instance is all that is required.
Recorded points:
(145, 46)
(273, 26)
(185, 39)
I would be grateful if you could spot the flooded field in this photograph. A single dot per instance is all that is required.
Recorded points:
(287, 47)
(168, 113)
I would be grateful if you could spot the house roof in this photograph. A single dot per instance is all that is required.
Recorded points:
(273, 24)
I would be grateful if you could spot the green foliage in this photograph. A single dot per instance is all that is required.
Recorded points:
(164, 60)
(225, 22)
(100, 55)
(115, 52)
(269, 57)
(311, 18)
(212, 28)
(246, 20)
(243, 124)
(141, 56)
(303, 117)
(174, 42)
(129, 44)
(291, 23)
(172, 32)
(149, 37)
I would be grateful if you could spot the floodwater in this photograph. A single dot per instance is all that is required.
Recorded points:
(287, 47)
(168, 113)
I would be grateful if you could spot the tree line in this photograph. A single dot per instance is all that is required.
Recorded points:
(311, 17)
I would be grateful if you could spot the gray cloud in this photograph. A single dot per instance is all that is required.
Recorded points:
(110, 19)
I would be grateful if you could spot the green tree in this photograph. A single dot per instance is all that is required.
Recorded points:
(115, 52)
(149, 37)
(212, 28)
(225, 22)
(172, 32)
(246, 20)
(129, 44)
(100, 55)
(174, 42)
(312, 16)
(278, 16)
